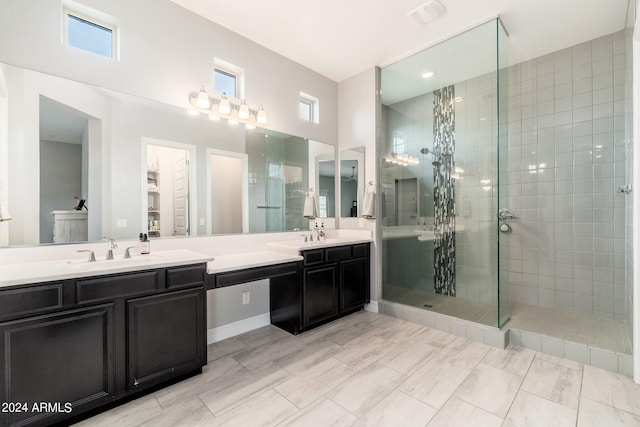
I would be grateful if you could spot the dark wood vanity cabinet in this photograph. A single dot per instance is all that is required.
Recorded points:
(334, 282)
(164, 337)
(72, 346)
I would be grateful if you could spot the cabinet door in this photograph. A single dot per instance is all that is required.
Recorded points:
(64, 360)
(320, 294)
(354, 284)
(166, 337)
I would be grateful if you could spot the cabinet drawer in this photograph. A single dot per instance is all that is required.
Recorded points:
(185, 277)
(99, 289)
(360, 250)
(338, 253)
(312, 257)
(230, 278)
(30, 300)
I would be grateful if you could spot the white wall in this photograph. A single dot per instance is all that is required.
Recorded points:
(357, 128)
(166, 53)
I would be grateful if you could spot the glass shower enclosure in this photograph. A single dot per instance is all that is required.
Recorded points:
(444, 211)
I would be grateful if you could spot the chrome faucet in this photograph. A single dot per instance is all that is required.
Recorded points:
(92, 257)
(111, 247)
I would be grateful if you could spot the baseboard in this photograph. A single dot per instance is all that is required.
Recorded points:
(372, 307)
(236, 328)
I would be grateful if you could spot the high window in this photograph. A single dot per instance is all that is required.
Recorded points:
(83, 31)
(228, 78)
(309, 108)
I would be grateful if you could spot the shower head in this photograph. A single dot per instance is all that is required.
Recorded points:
(425, 151)
(436, 163)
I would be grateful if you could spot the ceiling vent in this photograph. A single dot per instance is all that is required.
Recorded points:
(426, 13)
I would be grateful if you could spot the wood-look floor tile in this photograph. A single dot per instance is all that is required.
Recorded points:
(398, 409)
(191, 413)
(363, 351)
(131, 414)
(224, 348)
(435, 382)
(312, 354)
(257, 357)
(408, 357)
(535, 411)
(554, 382)
(514, 359)
(264, 409)
(324, 412)
(363, 391)
(460, 413)
(611, 389)
(307, 387)
(223, 396)
(595, 414)
(490, 388)
(221, 371)
(261, 336)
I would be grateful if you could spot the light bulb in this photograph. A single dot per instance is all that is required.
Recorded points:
(261, 118)
(233, 119)
(243, 113)
(203, 99)
(224, 107)
(251, 124)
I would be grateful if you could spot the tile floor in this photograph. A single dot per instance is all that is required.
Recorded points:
(371, 369)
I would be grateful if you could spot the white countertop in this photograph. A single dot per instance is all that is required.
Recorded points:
(46, 271)
(224, 263)
(294, 247)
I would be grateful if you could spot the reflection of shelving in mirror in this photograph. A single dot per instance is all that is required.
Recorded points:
(153, 196)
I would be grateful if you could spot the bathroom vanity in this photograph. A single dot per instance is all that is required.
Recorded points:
(87, 340)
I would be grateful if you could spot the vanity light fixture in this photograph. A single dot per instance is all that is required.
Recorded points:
(203, 99)
(224, 108)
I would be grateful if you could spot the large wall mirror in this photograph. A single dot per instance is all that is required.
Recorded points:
(134, 165)
(351, 181)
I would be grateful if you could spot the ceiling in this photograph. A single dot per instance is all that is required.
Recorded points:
(59, 123)
(339, 38)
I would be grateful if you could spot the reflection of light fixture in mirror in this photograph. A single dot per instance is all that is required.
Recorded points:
(428, 74)
(224, 107)
(458, 99)
(402, 159)
(203, 99)
(213, 114)
(243, 111)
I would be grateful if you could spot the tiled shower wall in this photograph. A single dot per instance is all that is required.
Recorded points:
(569, 138)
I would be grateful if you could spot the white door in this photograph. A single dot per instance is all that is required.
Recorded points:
(181, 195)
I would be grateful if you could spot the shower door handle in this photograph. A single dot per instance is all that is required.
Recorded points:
(505, 215)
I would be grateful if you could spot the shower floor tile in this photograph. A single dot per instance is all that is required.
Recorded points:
(461, 308)
(581, 328)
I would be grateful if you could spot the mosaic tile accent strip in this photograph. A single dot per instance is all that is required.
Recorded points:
(444, 245)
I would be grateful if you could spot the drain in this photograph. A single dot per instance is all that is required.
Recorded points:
(427, 305)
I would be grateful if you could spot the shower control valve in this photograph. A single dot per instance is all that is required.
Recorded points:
(505, 215)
